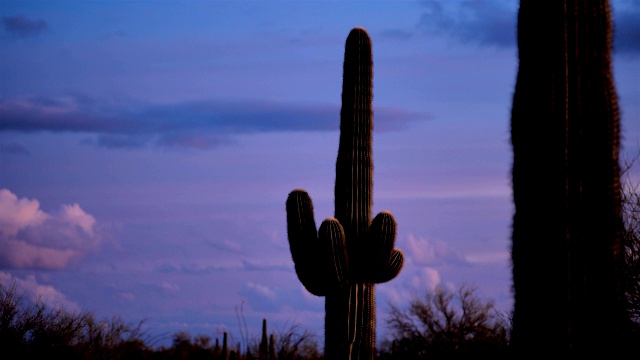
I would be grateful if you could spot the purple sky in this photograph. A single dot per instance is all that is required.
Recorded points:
(147, 149)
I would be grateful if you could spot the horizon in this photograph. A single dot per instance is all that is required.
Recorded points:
(147, 150)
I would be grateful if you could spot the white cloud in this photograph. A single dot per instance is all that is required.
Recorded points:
(261, 290)
(32, 238)
(488, 257)
(424, 252)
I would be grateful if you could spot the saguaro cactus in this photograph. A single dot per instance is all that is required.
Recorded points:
(263, 350)
(349, 253)
(567, 258)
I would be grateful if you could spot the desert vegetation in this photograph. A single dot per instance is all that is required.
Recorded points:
(31, 329)
(444, 324)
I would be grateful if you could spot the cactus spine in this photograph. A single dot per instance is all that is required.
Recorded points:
(349, 253)
(567, 258)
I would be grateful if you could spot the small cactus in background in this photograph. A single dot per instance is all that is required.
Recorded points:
(349, 254)
(264, 346)
(272, 347)
(225, 348)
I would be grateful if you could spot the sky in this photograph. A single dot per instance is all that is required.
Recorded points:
(147, 149)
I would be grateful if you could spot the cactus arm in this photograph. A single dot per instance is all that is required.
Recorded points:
(382, 262)
(392, 269)
(304, 243)
(332, 238)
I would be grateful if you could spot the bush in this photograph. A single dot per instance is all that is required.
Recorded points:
(446, 325)
(38, 332)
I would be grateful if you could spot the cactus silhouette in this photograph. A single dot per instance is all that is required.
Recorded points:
(263, 350)
(566, 250)
(350, 253)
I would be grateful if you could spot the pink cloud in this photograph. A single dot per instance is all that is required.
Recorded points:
(73, 214)
(16, 215)
(426, 278)
(17, 254)
(424, 252)
(33, 239)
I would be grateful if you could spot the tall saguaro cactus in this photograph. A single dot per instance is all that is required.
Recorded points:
(566, 250)
(349, 254)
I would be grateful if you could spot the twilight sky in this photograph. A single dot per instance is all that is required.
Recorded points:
(147, 149)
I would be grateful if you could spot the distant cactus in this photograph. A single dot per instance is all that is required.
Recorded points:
(349, 253)
(272, 347)
(264, 346)
(567, 258)
(225, 349)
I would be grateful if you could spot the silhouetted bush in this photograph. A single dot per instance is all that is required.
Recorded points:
(31, 330)
(446, 325)
(630, 200)
(290, 343)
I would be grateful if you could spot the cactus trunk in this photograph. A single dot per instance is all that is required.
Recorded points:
(350, 311)
(567, 259)
(349, 253)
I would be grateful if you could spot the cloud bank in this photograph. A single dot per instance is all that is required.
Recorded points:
(201, 124)
(494, 23)
(491, 23)
(22, 26)
(33, 239)
(626, 35)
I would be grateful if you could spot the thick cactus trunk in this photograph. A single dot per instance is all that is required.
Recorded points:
(567, 259)
(350, 322)
(349, 253)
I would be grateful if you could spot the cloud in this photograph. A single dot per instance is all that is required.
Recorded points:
(261, 290)
(424, 252)
(489, 257)
(33, 239)
(195, 268)
(425, 278)
(22, 26)
(203, 124)
(489, 23)
(34, 291)
(626, 15)
(414, 281)
(261, 297)
(494, 23)
(266, 265)
(227, 245)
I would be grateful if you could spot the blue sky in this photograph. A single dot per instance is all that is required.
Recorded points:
(147, 149)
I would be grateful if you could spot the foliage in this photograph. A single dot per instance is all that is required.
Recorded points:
(37, 331)
(446, 324)
(630, 195)
(290, 343)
